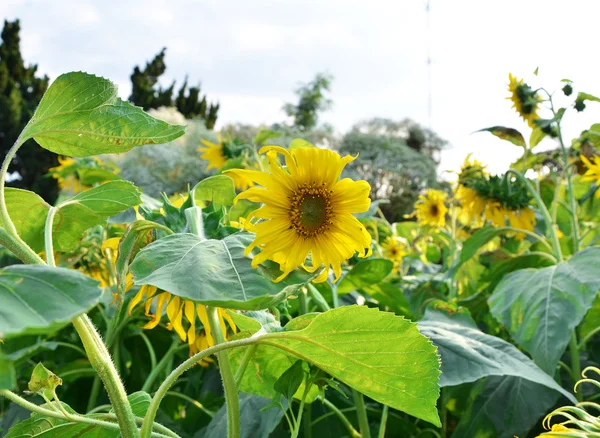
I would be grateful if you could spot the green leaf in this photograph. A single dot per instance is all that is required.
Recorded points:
(289, 382)
(254, 421)
(300, 143)
(89, 208)
(470, 247)
(80, 115)
(140, 402)
(504, 407)
(537, 135)
(541, 307)
(218, 189)
(264, 135)
(95, 175)
(28, 212)
(8, 374)
(508, 134)
(180, 263)
(73, 216)
(586, 96)
(365, 273)
(468, 354)
(377, 353)
(43, 381)
(66, 293)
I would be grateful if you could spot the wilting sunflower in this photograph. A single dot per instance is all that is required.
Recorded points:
(180, 311)
(525, 100)
(217, 155)
(306, 210)
(431, 209)
(593, 171)
(395, 249)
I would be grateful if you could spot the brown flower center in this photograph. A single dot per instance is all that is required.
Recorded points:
(434, 210)
(311, 210)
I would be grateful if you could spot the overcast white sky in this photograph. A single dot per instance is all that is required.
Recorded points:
(251, 55)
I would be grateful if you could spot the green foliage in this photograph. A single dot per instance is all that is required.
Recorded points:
(509, 134)
(540, 307)
(312, 100)
(66, 293)
(144, 92)
(20, 92)
(218, 190)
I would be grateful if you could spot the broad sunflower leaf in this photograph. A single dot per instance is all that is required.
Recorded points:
(537, 135)
(468, 354)
(377, 353)
(504, 407)
(80, 115)
(211, 272)
(508, 134)
(8, 374)
(365, 273)
(218, 189)
(74, 216)
(66, 293)
(541, 307)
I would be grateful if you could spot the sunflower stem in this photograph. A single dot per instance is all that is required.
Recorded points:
(101, 361)
(4, 216)
(383, 422)
(48, 244)
(232, 401)
(195, 221)
(239, 373)
(361, 413)
(575, 362)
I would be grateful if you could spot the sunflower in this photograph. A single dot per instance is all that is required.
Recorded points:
(395, 249)
(593, 171)
(217, 155)
(431, 209)
(306, 210)
(178, 311)
(64, 174)
(525, 100)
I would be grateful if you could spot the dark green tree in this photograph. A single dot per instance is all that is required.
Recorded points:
(146, 92)
(20, 93)
(312, 100)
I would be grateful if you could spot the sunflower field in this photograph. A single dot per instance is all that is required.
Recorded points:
(273, 298)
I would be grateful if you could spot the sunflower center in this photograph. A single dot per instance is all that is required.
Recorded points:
(434, 210)
(311, 210)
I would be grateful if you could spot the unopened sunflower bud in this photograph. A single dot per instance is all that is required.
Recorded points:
(567, 89)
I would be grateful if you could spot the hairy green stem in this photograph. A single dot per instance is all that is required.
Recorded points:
(239, 373)
(353, 432)
(7, 222)
(575, 362)
(383, 422)
(48, 244)
(182, 368)
(18, 247)
(361, 413)
(102, 363)
(232, 401)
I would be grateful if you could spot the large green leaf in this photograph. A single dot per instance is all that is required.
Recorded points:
(73, 216)
(8, 374)
(468, 354)
(541, 307)
(40, 426)
(212, 272)
(217, 189)
(89, 208)
(80, 115)
(254, 421)
(40, 299)
(377, 353)
(504, 407)
(365, 273)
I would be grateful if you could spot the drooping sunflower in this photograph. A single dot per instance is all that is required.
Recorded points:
(525, 100)
(306, 210)
(593, 171)
(431, 209)
(217, 155)
(395, 249)
(180, 311)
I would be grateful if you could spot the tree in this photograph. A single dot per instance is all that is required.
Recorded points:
(312, 100)
(398, 159)
(20, 93)
(146, 92)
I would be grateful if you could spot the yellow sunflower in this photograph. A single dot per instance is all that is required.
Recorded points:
(395, 249)
(306, 210)
(431, 209)
(472, 206)
(525, 100)
(593, 171)
(179, 310)
(70, 182)
(215, 155)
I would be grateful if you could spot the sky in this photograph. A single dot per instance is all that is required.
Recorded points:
(251, 55)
